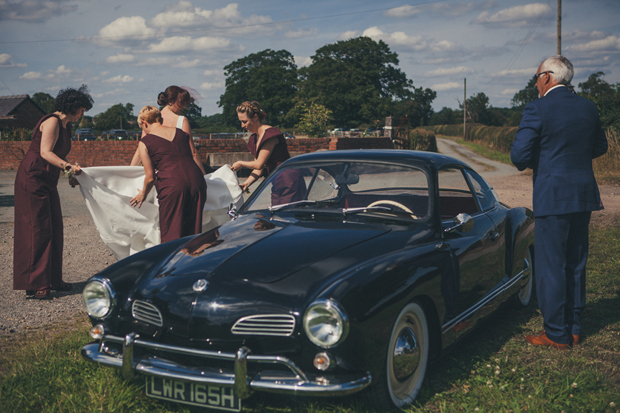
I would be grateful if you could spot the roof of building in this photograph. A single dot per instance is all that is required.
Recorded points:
(9, 103)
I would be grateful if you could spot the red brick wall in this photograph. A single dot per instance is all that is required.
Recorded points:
(111, 153)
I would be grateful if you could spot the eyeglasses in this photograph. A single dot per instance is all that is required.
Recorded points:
(538, 75)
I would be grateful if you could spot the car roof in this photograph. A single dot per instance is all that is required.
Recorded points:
(431, 159)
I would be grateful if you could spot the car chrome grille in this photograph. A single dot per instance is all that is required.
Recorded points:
(265, 325)
(147, 312)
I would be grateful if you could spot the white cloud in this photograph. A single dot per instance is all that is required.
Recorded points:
(516, 16)
(403, 11)
(442, 9)
(119, 79)
(120, 58)
(396, 38)
(182, 43)
(509, 92)
(155, 61)
(446, 46)
(183, 15)
(185, 64)
(301, 33)
(351, 34)
(212, 73)
(451, 71)
(302, 61)
(30, 76)
(608, 44)
(212, 85)
(529, 72)
(33, 10)
(5, 61)
(447, 86)
(124, 29)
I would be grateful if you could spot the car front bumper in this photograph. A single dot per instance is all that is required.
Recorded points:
(291, 380)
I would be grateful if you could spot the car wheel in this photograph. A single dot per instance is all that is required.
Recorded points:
(525, 293)
(406, 360)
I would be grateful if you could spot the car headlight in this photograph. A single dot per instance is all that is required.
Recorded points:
(325, 323)
(98, 297)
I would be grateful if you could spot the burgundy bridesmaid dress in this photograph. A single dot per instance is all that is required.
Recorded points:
(181, 187)
(288, 186)
(38, 242)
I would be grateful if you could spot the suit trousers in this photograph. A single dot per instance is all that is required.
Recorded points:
(561, 254)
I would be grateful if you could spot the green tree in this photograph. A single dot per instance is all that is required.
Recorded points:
(314, 119)
(606, 97)
(417, 107)
(115, 117)
(86, 122)
(357, 79)
(193, 113)
(46, 101)
(526, 95)
(478, 109)
(447, 116)
(268, 77)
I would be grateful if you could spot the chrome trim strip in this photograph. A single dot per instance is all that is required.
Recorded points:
(296, 382)
(485, 300)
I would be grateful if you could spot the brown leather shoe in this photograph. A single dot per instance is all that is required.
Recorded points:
(543, 340)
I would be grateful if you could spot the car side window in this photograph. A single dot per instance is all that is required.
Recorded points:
(455, 195)
(485, 194)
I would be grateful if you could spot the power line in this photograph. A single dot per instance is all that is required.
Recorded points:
(242, 26)
(527, 38)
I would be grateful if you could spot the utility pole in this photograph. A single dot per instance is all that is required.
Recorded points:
(559, 34)
(464, 107)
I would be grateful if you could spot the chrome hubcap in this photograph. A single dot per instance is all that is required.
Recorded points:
(407, 354)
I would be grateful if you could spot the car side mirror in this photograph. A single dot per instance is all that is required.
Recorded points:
(462, 221)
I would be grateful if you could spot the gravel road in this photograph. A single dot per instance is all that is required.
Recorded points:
(85, 253)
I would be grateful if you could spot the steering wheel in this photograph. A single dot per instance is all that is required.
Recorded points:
(393, 203)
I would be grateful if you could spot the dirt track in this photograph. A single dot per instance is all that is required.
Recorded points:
(85, 253)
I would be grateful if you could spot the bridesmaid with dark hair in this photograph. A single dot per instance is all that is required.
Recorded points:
(37, 256)
(174, 101)
(269, 148)
(181, 188)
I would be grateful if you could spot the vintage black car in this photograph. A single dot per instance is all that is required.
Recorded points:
(383, 259)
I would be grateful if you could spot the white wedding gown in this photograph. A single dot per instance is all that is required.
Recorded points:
(127, 230)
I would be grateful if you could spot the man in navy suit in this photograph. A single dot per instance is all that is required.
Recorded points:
(559, 135)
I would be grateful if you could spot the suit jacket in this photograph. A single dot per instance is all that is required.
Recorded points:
(558, 137)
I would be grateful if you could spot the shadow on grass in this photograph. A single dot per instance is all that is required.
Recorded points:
(487, 339)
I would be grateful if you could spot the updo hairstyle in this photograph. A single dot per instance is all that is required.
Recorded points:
(70, 100)
(150, 115)
(251, 109)
(172, 94)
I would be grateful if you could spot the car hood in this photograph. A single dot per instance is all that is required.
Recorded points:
(253, 265)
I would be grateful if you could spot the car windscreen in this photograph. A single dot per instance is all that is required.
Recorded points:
(366, 187)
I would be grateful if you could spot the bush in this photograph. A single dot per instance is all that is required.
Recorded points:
(17, 134)
(422, 140)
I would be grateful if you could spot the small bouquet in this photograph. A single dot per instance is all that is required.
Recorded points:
(68, 171)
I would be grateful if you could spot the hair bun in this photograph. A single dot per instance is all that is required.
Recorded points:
(162, 99)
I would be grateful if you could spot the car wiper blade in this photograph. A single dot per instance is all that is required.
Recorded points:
(291, 204)
(346, 211)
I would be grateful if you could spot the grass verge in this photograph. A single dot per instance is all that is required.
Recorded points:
(493, 370)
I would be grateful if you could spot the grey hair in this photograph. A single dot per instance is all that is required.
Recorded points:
(561, 68)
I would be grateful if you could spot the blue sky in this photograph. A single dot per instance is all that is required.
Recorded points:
(129, 51)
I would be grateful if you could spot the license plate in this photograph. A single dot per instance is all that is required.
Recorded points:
(196, 394)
